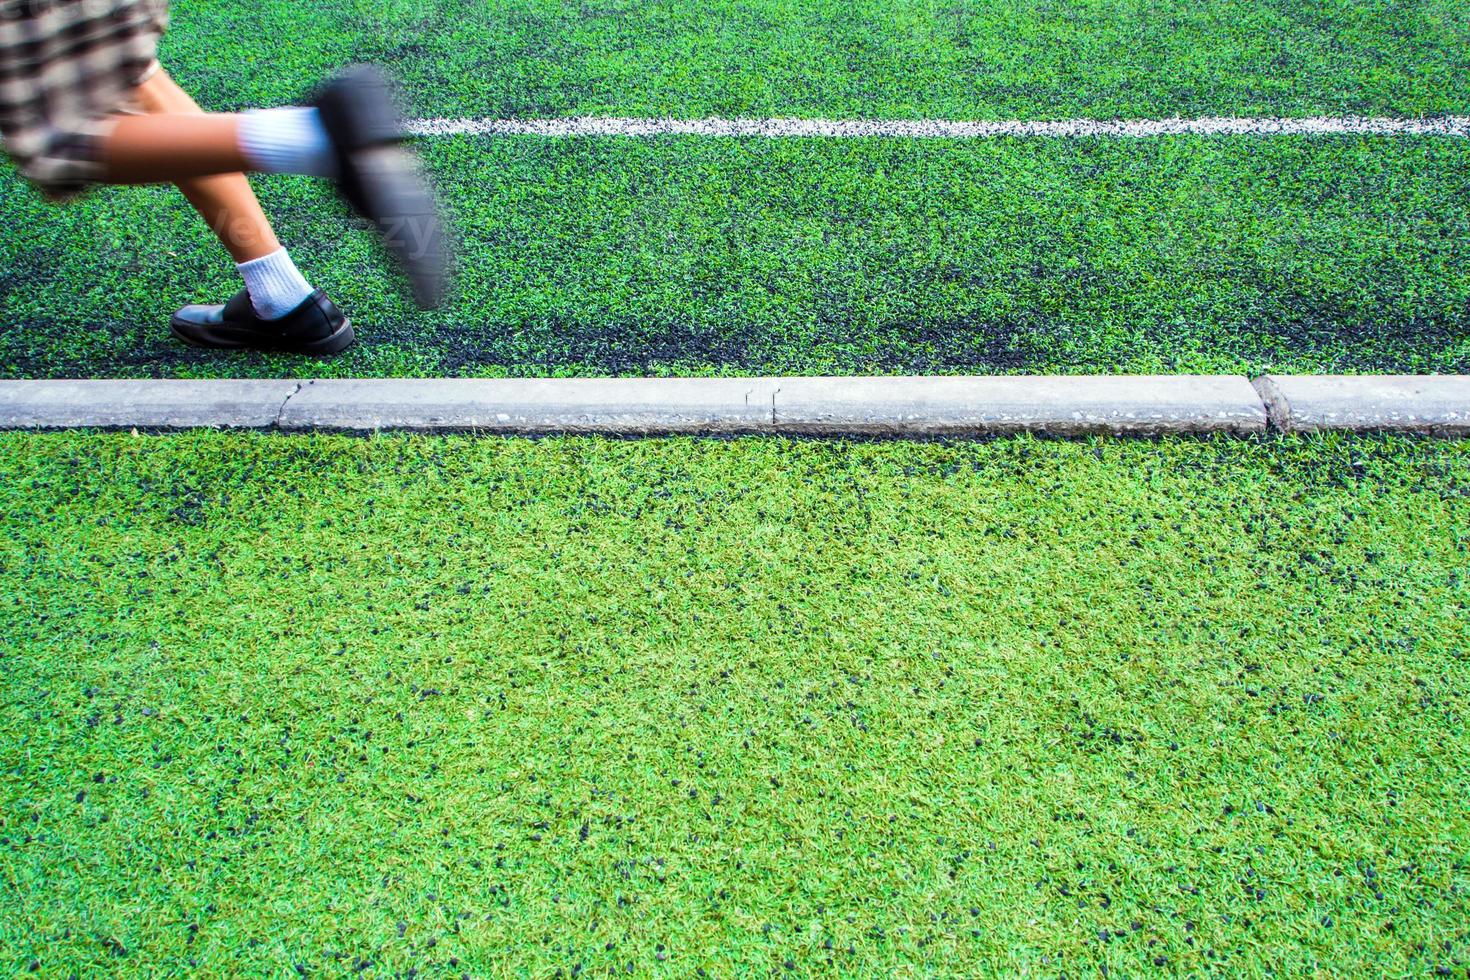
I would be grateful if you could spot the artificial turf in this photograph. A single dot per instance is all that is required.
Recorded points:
(716, 256)
(574, 706)
(1000, 59)
(698, 256)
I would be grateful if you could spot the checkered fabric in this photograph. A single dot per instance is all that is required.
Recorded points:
(66, 65)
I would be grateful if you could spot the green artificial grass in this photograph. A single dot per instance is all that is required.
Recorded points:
(579, 707)
(814, 256)
(701, 256)
(1002, 59)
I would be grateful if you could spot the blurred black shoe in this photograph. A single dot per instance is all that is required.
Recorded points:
(380, 177)
(315, 327)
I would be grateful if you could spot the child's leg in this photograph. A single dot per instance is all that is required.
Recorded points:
(226, 201)
(175, 145)
(352, 132)
(177, 141)
(171, 147)
(274, 284)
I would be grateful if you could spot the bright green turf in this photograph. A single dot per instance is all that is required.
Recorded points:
(697, 256)
(526, 706)
(1033, 59)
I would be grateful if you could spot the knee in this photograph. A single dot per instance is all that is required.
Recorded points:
(159, 94)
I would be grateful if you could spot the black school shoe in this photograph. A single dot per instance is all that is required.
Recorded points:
(315, 327)
(380, 177)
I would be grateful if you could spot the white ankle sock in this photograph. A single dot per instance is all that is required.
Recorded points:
(287, 141)
(276, 286)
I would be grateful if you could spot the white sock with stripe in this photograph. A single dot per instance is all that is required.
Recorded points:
(287, 141)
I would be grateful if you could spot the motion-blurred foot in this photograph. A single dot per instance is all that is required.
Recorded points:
(380, 177)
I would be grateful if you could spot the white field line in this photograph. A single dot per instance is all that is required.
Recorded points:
(1458, 126)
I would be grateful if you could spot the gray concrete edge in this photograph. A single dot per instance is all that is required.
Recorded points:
(870, 406)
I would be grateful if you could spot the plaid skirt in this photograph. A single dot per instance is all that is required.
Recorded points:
(65, 66)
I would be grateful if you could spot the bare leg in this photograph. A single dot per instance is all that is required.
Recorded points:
(225, 200)
(154, 149)
(352, 132)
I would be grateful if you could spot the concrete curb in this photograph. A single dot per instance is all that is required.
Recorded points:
(618, 406)
(1070, 406)
(886, 406)
(142, 404)
(1430, 404)
(816, 406)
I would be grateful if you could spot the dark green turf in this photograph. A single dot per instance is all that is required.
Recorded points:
(1032, 59)
(506, 708)
(698, 256)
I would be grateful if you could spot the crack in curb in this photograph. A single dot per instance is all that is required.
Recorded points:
(281, 412)
(1278, 409)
